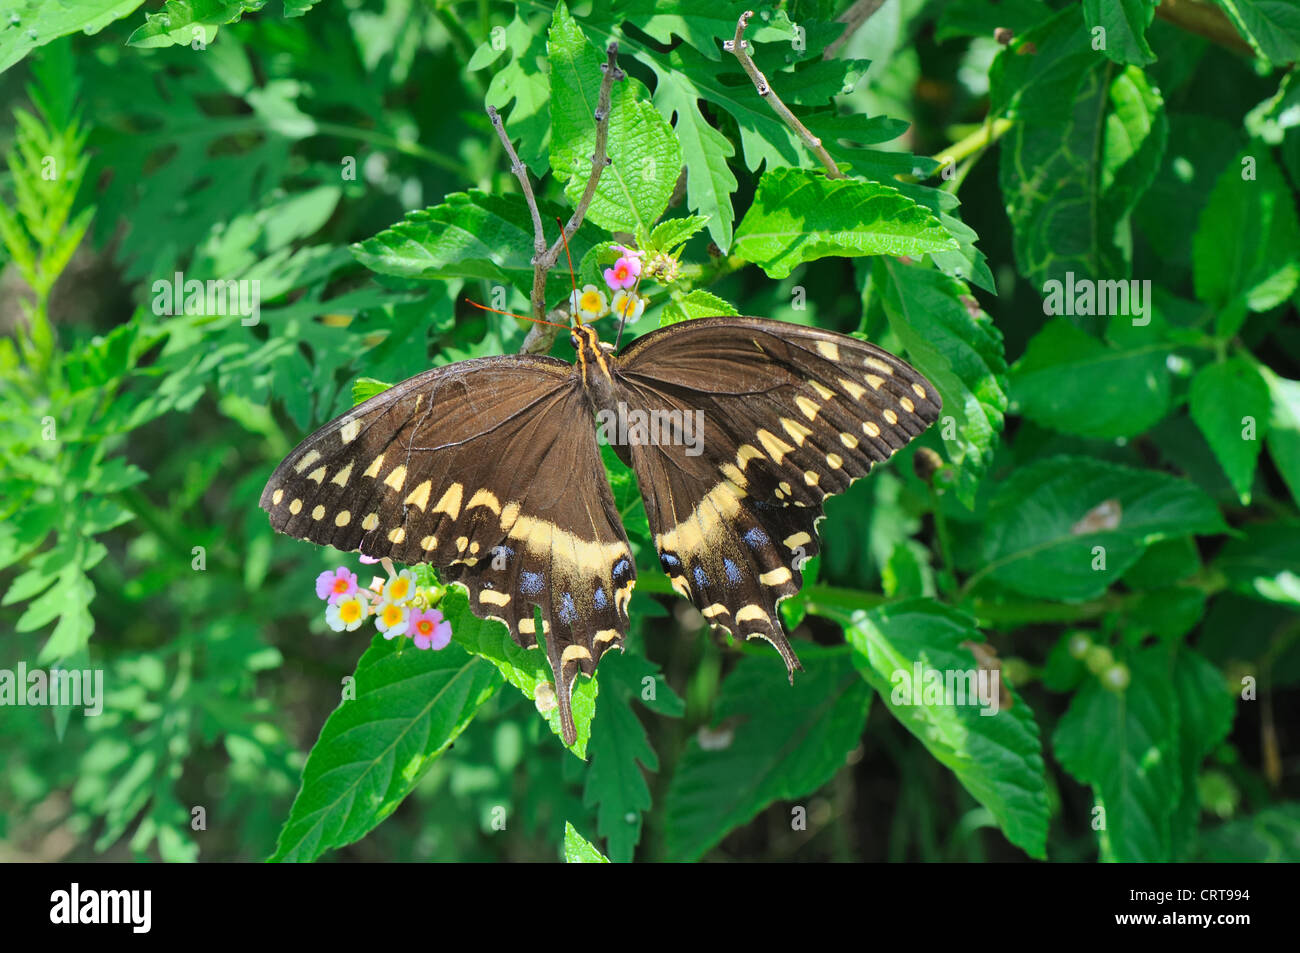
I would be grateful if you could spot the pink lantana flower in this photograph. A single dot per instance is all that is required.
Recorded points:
(335, 584)
(348, 613)
(624, 273)
(429, 630)
(392, 619)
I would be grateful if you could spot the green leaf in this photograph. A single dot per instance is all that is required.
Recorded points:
(471, 235)
(524, 82)
(997, 757)
(1230, 403)
(1244, 255)
(39, 23)
(363, 388)
(705, 152)
(619, 749)
(181, 22)
(1205, 712)
(526, 669)
(776, 742)
(1087, 144)
(1264, 563)
(1125, 746)
(1066, 527)
(1125, 24)
(668, 235)
(409, 706)
(694, 304)
(646, 157)
(578, 850)
(955, 344)
(1072, 382)
(800, 216)
(1284, 429)
(1272, 836)
(1271, 27)
(981, 18)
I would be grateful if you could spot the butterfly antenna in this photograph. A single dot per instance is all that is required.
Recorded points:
(573, 279)
(511, 314)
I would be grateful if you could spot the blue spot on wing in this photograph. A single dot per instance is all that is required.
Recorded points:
(756, 537)
(701, 580)
(567, 612)
(599, 598)
(669, 561)
(530, 583)
(733, 573)
(621, 568)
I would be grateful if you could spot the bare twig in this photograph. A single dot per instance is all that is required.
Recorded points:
(853, 17)
(544, 258)
(521, 173)
(740, 48)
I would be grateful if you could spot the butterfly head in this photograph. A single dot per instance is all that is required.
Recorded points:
(593, 355)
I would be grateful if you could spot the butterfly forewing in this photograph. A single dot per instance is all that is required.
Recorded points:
(488, 470)
(789, 416)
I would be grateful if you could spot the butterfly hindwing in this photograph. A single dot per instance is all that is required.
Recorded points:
(788, 415)
(489, 470)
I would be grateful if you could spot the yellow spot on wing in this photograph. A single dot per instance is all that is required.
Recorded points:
(572, 652)
(810, 477)
(875, 381)
(797, 540)
(919, 391)
(494, 598)
(348, 432)
(310, 457)
(855, 390)
(834, 461)
(907, 405)
(747, 453)
(774, 445)
(450, 502)
(341, 478)
(829, 350)
(808, 406)
(848, 440)
(316, 475)
(797, 431)
(397, 535)
(370, 522)
(870, 429)
(343, 519)
(750, 614)
(295, 507)
(429, 542)
(713, 611)
(419, 496)
(485, 498)
(318, 512)
(825, 392)
(879, 365)
(375, 464)
(776, 577)
(891, 417)
(397, 478)
(276, 497)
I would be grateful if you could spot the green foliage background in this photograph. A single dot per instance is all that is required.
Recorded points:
(1116, 518)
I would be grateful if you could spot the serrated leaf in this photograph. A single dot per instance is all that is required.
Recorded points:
(1072, 382)
(38, 24)
(667, 235)
(782, 742)
(578, 850)
(619, 749)
(1125, 746)
(646, 157)
(800, 216)
(522, 81)
(1272, 835)
(1038, 539)
(1125, 23)
(996, 757)
(471, 235)
(409, 706)
(954, 343)
(181, 22)
(705, 153)
(1230, 404)
(1247, 243)
(694, 304)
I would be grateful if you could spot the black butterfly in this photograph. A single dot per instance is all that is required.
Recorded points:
(490, 470)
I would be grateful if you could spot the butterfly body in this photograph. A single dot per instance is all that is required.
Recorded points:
(490, 470)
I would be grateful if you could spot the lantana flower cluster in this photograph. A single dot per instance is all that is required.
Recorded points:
(401, 605)
(622, 280)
